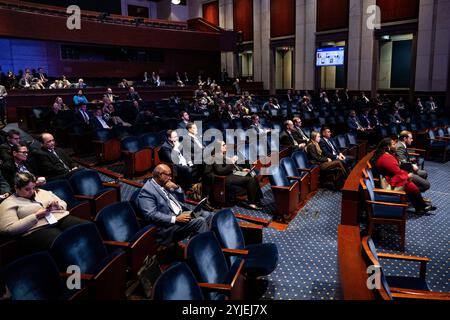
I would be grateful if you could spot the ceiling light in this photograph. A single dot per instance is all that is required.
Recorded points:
(176, 1)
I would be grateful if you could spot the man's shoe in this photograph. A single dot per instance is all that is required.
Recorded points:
(430, 208)
(427, 200)
(254, 207)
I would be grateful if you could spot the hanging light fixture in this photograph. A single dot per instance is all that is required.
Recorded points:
(176, 1)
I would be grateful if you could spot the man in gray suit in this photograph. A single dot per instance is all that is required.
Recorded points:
(160, 201)
(419, 176)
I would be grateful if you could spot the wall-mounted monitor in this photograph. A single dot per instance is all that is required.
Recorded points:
(330, 56)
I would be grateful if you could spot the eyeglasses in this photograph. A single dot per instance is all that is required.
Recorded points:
(24, 152)
(166, 174)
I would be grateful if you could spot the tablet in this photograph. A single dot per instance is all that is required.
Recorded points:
(196, 211)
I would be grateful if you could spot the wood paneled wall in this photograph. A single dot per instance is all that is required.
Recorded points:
(282, 18)
(243, 18)
(332, 14)
(211, 12)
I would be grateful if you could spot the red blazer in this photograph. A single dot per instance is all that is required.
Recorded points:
(388, 165)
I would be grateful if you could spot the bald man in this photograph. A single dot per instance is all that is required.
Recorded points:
(52, 162)
(161, 203)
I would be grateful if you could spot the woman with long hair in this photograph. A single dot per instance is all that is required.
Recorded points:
(328, 167)
(387, 165)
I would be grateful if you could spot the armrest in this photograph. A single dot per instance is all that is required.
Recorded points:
(419, 293)
(116, 243)
(264, 222)
(401, 205)
(235, 252)
(83, 276)
(423, 261)
(414, 154)
(402, 257)
(389, 192)
(294, 178)
(81, 197)
(215, 286)
(420, 296)
(305, 169)
(418, 150)
(111, 184)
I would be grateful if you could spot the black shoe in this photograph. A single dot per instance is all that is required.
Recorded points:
(254, 207)
(430, 208)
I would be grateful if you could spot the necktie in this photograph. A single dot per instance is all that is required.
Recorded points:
(85, 116)
(56, 155)
(332, 147)
(174, 205)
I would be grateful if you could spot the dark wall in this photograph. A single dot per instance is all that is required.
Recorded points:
(332, 14)
(401, 64)
(243, 18)
(395, 10)
(111, 6)
(282, 18)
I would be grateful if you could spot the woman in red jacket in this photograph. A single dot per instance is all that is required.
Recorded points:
(387, 164)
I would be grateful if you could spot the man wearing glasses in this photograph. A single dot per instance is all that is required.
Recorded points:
(12, 138)
(161, 203)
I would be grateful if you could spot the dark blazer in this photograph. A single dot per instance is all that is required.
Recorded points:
(4, 186)
(133, 96)
(182, 125)
(5, 152)
(402, 153)
(156, 209)
(352, 123)
(165, 153)
(95, 124)
(314, 156)
(326, 149)
(365, 122)
(80, 120)
(287, 139)
(9, 171)
(50, 166)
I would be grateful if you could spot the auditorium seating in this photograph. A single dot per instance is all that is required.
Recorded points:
(103, 272)
(106, 145)
(120, 228)
(399, 287)
(262, 258)
(87, 185)
(294, 173)
(207, 261)
(303, 165)
(36, 277)
(285, 192)
(137, 157)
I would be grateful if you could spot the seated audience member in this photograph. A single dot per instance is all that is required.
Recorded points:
(123, 84)
(431, 106)
(25, 82)
(419, 108)
(80, 99)
(42, 76)
(159, 201)
(109, 94)
(184, 120)
(57, 84)
(291, 137)
(256, 125)
(110, 114)
(374, 119)
(172, 152)
(37, 216)
(18, 164)
(353, 122)
(363, 99)
(226, 166)
(419, 177)
(12, 138)
(395, 117)
(145, 116)
(53, 162)
(133, 95)
(97, 121)
(82, 116)
(364, 120)
(80, 84)
(298, 127)
(54, 114)
(328, 167)
(386, 164)
(5, 189)
(37, 84)
(329, 149)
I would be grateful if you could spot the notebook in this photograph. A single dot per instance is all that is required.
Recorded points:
(245, 173)
(195, 213)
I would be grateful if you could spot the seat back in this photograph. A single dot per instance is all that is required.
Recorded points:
(80, 245)
(117, 222)
(227, 230)
(86, 182)
(206, 259)
(130, 144)
(151, 140)
(300, 158)
(370, 255)
(352, 138)
(34, 277)
(278, 177)
(289, 167)
(342, 141)
(62, 189)
(103, 135)
(177, 283)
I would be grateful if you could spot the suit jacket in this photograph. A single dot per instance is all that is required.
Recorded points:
(4, 185)
(166, 151)
(327, 151)
(182, 125)
(5, 152)
(402, 153)
(352, 123)
(80, 119)
(364, 121)
(155, 208)
(9, 170)
(50, 166)
(133, 96)
(287, 139)
(95, 123)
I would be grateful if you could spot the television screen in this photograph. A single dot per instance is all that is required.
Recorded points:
(330, 56)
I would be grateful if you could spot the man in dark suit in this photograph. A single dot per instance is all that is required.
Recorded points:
(291, 137)
(12, 138)
(298, 127)
(171, 151)
(97, 122)
(419, 177)
(82, 116)
(161, 203)
(133, 95)
(53, 162)
(184, 120)
(330, 150)
(256, 125)
(3, 95)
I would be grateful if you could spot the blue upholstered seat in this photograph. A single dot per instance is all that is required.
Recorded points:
(63, 190)
(87, 182)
